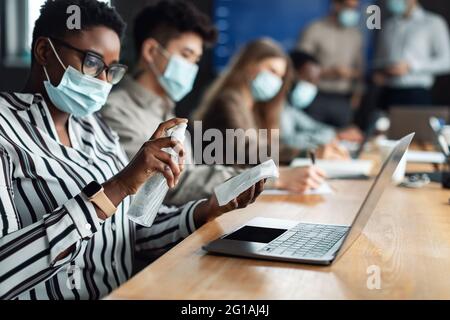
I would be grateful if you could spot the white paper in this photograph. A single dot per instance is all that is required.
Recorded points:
(425, 157)
(338, 168)
(237, 185)
(350, 146)
(324, 189)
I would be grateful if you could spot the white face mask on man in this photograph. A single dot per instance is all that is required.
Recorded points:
(179, 77)
(303, 94)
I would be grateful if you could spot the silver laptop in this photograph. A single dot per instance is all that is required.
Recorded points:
(440, 140)
(285, 240)
(406, 119)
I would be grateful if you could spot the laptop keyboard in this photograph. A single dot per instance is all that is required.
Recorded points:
(306, 240)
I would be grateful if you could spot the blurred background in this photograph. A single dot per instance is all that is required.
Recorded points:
(237, 20)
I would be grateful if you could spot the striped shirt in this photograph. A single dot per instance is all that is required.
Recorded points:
(43, 211)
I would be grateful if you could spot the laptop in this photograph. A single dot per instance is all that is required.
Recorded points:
(441, 142)
(407, 119)
(318, 244)
(439, 139)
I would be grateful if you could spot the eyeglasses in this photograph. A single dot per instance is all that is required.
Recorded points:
(93, 64)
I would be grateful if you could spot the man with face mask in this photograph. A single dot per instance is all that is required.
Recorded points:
(413, 48)
(169, 39)
(297, 127)
(337, 44)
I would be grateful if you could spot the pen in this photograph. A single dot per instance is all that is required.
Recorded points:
(312, 155)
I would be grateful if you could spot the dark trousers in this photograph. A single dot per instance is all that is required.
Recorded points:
(406, 97)
(332, 109)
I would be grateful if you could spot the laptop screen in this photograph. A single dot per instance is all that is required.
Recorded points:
(255, 234)
(376, 191)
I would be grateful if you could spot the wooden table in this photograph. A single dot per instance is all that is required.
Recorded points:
(407, 240)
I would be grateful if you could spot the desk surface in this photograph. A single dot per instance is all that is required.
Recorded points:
(408, 238)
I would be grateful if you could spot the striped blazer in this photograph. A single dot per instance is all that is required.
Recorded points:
(43, 212)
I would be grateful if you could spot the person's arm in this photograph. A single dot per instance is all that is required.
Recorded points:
(439, 63)
(300, 130)
(31, 255)
(120, 122)
(199, 181)
(174, 224)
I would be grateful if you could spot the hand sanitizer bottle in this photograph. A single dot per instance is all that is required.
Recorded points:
(148, 200)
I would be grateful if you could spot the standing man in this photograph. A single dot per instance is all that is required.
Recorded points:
(337, 43)
(414, 47)
(169, 39)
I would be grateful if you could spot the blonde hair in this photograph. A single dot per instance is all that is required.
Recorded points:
(234, 77)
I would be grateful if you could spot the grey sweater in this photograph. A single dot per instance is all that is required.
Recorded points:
(135, 113)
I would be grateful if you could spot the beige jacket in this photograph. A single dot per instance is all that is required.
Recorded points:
(134, 113)
(335, 46)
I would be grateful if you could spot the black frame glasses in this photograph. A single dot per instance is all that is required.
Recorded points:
(114, 72)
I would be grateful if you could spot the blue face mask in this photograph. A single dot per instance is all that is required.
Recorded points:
(349, 18)
(77, 94)
(397, 7)
(303, 94)
(178, 78)
(266, 86)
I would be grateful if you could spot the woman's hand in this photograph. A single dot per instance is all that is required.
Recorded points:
(300, 179)
(332, 151)
(210, 210)
(149, 160)
(352, 134)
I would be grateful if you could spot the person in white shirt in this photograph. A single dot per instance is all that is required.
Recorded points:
(413, 48)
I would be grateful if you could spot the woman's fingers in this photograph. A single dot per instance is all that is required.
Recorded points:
(318, 172)
(340, 151)
(298, 187)
(166, 171)
(313, 184)
(245, 198)
(259, 188)
(163, 127)
(233, 205)
(167, 142)
(316, 177)
(168, 161)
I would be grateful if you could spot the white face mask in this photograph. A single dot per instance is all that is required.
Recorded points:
(266, 86)
(179, 77)
(303, 94)
(77, 94)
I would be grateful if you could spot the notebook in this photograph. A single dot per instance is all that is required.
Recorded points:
(339, 169)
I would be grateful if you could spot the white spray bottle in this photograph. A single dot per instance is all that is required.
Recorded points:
(148, 200)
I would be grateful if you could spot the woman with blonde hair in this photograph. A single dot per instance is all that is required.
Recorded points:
(250, 94)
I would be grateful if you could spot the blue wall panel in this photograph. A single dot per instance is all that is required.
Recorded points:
(240, 21)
